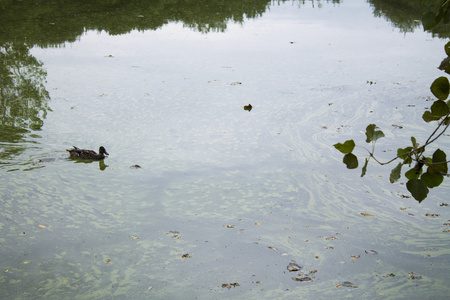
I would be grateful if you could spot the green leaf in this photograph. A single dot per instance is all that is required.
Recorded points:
(405, 155)
(346, 147)
(418, 189)
(428, 117)
(372, 134)
(447, 48)
(428, 20)
(413, 174)
(351, 161)
(364, 168)
(395, 173)
(440, 88)
(432, 180)
(445, 64)
(439, 108)
(439, 161)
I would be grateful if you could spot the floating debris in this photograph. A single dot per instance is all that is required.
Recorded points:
(302, 279)
(293, 267)
(366, 214)
(184, 256)
(236, 83)
(229, 285)
(135, 167)
(414, 277)
(133, 237)
(248, 107)
(397, 126)
(174, 234)
(228, 226)
(347, 284)
(389, 275)
(373, 252)
(432, 215)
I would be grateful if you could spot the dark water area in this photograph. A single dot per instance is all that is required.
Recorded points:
(226, 197)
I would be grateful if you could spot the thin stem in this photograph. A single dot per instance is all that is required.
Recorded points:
(415, 150)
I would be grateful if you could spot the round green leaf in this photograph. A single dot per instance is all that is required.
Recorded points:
(428, 117)
(439, 161)
(439, 108)
(351, 161)
(413, 174)
(432, 180)
(346, 147)
(418, 189)
(440, 88)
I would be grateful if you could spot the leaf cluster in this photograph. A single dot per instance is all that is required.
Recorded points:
(424, 172)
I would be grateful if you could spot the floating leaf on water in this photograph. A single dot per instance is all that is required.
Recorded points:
(302, 279)
(248, 107)
(133, 237)
(184, 256)
(175, 234)
(229, 285)
(432, 215)
(443, 204)
(42, 226)
(366, 214)
(272, 248)
(389, 275)
(135, 167)
(348, 284)
(331, 238)
(257, 224)
(292, 267)
(414, 277)
(236, 83)
(228, 226)
(313, 271)
(355, 257)
(373, 252)
(107, 261)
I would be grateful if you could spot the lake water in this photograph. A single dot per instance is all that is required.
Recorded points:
(225, 198)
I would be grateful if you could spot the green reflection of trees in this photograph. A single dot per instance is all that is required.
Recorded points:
(23, 97)
(52, 23)
(407, 14)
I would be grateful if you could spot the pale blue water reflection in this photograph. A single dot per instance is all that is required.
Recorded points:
(242, 193)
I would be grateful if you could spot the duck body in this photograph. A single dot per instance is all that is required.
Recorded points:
(88, 154)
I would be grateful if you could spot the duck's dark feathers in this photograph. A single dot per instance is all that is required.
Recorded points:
(88, 154)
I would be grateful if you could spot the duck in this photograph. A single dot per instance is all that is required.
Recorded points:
(88, 154)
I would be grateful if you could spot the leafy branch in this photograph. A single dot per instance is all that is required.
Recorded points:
(419, 180)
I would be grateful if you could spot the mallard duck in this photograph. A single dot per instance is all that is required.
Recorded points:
(88, 154)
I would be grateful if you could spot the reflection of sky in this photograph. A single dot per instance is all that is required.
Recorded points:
(287, 50)
(346, 33)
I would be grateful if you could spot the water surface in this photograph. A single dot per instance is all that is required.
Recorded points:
(224, 195)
